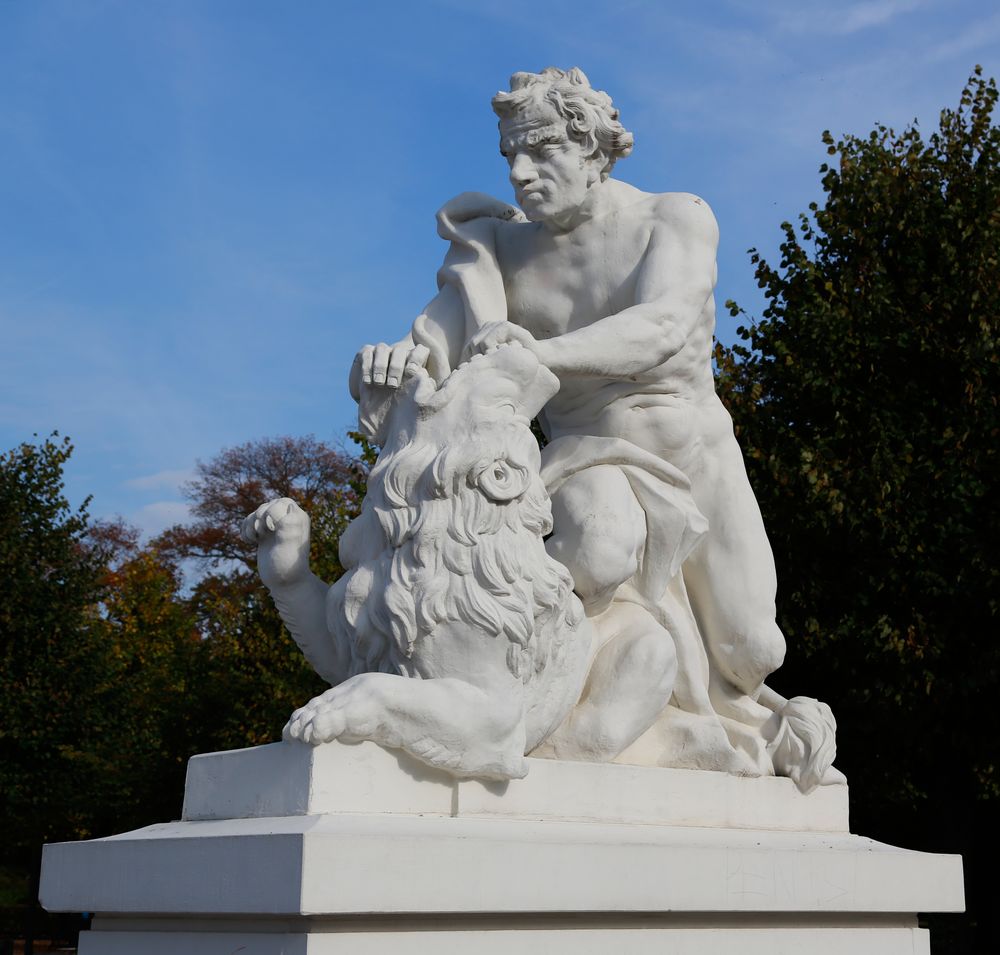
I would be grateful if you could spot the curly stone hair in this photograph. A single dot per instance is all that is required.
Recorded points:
(591, 117)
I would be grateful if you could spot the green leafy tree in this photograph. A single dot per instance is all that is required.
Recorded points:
(52, 651)
(866, 400)
(97, 654)
(114, 672)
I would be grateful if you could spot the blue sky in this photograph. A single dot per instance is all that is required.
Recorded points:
(207, 207)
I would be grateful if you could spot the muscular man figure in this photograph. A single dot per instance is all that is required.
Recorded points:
(612, 288)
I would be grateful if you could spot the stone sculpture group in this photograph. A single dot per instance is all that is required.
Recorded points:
(608, 598)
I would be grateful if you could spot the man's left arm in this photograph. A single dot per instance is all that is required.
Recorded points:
(676, 279)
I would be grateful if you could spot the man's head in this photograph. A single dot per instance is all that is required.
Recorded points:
(560, 137)
(591, 118)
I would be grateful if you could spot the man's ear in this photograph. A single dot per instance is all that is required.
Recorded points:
(595, 169)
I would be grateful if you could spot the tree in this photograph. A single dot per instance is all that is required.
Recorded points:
(96, 655)
(154, 676)
(50, 646)
(115, 672)
(253, 673)
(866, 400)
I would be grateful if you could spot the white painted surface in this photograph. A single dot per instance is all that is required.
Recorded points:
(415, 862)
(409, 864)
(608, 792)
(291, 778)
(564, 939)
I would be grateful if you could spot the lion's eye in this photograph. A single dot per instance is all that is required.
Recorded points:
(501, 481)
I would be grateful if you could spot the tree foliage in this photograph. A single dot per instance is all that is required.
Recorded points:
(115, 671)
(51, 649)
(255, 672)
(866, 400)
(96, 657)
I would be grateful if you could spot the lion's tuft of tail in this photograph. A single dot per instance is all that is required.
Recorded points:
(803, 743)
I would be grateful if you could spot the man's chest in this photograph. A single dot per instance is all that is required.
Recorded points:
(557, 284)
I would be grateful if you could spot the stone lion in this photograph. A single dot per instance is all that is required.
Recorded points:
(452, 635)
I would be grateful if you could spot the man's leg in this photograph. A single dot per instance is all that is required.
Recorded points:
(731, 582)
(599, 533)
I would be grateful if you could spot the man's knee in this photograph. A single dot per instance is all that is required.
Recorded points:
(598, 569)
(599, 532)
(749, 655)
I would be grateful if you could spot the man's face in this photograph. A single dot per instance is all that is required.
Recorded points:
(549, 171)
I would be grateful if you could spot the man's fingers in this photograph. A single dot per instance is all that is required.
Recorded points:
(489, 340)
(475, 345)
(397, 362)
(498, 333)
(418, 356)
(367, 355)
(384, 364)
(380, 363)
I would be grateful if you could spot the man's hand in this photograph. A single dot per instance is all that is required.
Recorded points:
(383, 364)
(499, 333)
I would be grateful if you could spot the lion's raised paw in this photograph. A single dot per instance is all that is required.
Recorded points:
(280, 528)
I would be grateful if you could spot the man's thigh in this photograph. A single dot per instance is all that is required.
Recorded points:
(735, 556)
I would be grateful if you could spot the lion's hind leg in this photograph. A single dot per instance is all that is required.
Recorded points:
(630, 683)
(447, 723)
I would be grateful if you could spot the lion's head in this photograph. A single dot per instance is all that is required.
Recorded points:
(453, 523)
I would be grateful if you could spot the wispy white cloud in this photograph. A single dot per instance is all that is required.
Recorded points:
(154, 518)
(171, 479)
(826, 18)
(975, 37)
(861, 16)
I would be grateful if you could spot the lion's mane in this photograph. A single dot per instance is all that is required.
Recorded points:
(457, 553)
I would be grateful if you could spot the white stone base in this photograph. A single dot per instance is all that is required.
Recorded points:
(351, 849)
(610, 934)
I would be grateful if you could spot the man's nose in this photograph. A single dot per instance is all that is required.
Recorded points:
(522, 170)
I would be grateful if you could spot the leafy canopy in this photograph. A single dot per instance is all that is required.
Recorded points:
(866, 401)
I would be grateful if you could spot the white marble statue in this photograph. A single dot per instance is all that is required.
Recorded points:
(659, 654)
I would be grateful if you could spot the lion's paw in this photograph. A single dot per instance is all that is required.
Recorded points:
(344, 712)
(280, 528)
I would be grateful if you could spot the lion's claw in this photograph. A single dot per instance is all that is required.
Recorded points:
(319, 721)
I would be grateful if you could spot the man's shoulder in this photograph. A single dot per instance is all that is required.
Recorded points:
(680, 209)
(684, 206)
(683, 213)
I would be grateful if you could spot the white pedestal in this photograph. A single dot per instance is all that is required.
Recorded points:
(352, 849)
